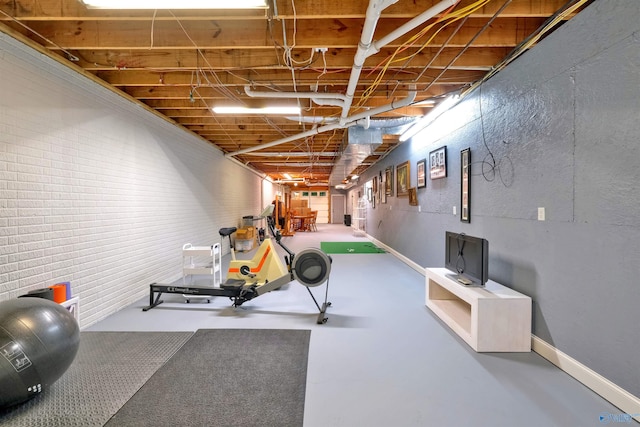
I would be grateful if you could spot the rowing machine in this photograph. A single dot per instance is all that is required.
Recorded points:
(265, 272)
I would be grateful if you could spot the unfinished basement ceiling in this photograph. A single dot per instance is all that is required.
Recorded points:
(182, 63)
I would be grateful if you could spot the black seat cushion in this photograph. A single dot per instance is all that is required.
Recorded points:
(226, 231)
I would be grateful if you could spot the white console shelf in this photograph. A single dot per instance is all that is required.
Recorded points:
(202, 260)
(73, 305)
(493, 318)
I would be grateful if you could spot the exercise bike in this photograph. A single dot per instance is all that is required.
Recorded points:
(265, 272)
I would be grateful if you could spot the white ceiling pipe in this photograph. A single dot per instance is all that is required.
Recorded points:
(294, 154)
(329, 102)
(312, 119)
(366, 48)
(351, 121)
(372, 16)
(298, 164)
(335, 99)
(412, 24)
(365, 45)
(411, 96)
(311, 132)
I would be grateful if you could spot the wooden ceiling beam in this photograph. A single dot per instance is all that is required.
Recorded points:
(404, 9)
(213, 93)
(209, 35)
(167, 61)
(60, 10)
(205, 102)
(187, 79)
(181, 63)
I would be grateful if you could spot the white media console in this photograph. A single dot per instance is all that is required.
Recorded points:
(493, 318)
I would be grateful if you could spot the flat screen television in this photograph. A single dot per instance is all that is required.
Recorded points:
(467, 257)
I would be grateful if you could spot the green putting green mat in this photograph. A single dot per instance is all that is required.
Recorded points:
(350, 248)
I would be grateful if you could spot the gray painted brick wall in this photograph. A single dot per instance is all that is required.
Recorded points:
(563, 124)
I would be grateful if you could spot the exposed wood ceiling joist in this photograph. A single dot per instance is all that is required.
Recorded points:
(182, 63)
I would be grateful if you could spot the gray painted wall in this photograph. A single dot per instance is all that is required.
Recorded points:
(562, 123)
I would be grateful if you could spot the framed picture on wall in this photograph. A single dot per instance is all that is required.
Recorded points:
(375, 191)
(438, 163)
(465, 185)
(388, 181)
(402, 179)
(422, 173)
(413, 196)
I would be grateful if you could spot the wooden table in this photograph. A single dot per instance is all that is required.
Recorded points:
(301, 222)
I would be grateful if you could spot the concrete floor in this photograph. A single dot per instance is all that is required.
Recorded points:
(383, 359)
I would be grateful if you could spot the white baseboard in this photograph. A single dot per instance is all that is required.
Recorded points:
(398, 255)
(620, 398)
(627, 402)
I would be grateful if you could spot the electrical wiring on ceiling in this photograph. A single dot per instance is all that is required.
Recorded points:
(70, 56)
(569, 9)
(217, 83)
(447, 18)
(473, 39)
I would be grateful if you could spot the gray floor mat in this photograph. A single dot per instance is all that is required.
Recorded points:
(109, 368)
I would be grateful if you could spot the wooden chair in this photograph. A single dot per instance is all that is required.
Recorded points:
(312, 221)
(288, 226)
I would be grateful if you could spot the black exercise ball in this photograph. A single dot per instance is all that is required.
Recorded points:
(38, 341)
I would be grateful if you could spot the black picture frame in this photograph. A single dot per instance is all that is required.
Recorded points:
(465, 185)
(438, 163)
(421, 170)
(374, 197)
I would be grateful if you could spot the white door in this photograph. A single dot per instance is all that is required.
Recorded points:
(337, 208)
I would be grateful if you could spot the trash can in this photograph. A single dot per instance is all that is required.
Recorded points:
(347, 220)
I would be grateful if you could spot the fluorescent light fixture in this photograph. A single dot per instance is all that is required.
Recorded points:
(286, 175)
(429, 101)
(294, 181)
(176, 4)
(263, 111)
(427, 119)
